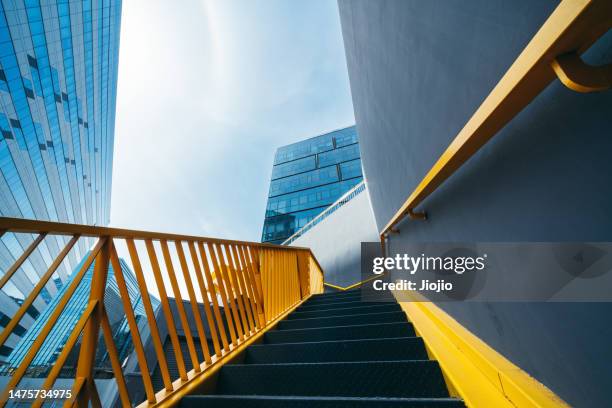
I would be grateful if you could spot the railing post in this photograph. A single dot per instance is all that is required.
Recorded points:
(89, 343)
(303, 273)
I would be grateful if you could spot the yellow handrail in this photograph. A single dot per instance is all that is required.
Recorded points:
(570, 30)
(254, 285)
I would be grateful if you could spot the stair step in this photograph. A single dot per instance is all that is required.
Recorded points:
(332, 301)
(402, 348)
(336, 293)
(345, 320)
(344, 311)
(329, 298)
(338, 304)
(353, 332)
(265, 401)
(402, 379)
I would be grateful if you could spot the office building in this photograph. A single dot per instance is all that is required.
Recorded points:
(58, 80)
(307, 177)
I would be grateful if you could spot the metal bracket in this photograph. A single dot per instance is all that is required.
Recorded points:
(417, 215)
(575, 74)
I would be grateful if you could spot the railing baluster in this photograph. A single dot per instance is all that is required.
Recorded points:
(276, 262)
(213, 296)
(205, 300)
(224, 292)
(33, 350)
(249, 285)
(178, 298)
(176, 345)
(107, 332)
(11, 271)
(195, 309)
(231, 290)
(133, 325)
(253, 256)
(247, 295)
(79, 382)
(72, 339)
(237, 290)
(266, 285)
(146, 301)
(286, 276)
(256, 283)
(6, 332)
(89, 342)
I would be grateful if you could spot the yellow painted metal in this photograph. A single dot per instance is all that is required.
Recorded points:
(213, 296)
(163, 298)
(239, 267)
(173, 399)
(572, 27)
(146, 302)
(107, 332)
(89, 342)
(36, 291)
(231, 291)
(474, 371)
(205, 302)
(194, 305)
(79, 382)
(225, 296)
(280, 281)
(239, 272)
(179, 306)
(59, 228)
(72, 339)
(133, 325)
(315, 276)
(249, 284)
(255, 286)
(11, 271)
(237, 290)
(23, 366)
(580, 77)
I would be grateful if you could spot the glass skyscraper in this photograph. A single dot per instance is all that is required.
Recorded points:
(307, 177)
(58, 81)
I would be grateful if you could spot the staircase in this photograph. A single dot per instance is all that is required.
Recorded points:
(337, 351)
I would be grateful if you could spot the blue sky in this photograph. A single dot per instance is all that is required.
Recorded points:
(206, 93)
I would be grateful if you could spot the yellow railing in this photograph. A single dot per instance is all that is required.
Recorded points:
(554, 52)
(244, 288)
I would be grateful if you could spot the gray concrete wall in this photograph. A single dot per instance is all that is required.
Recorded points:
(336, 241)
(418, 70)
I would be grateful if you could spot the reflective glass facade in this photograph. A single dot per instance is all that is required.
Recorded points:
(307, 177)
(58, 80)
(58, 336)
